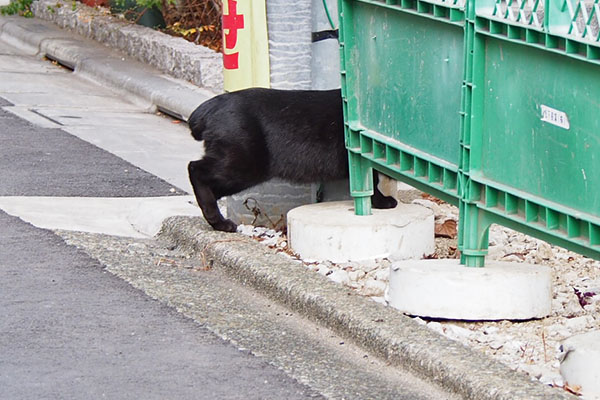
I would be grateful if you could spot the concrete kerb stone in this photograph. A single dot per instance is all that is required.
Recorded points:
(381, 330)
(27, 34)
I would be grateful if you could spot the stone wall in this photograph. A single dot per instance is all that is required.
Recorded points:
(174, 56)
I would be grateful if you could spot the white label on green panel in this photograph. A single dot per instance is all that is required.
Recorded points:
(555, 117)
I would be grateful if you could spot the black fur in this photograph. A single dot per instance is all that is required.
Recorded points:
(253, 135)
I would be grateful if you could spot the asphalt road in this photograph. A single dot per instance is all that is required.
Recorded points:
(70, 330)
(37, 161)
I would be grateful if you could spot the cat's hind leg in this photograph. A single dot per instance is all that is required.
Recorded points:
(379, 200)
(200, 173)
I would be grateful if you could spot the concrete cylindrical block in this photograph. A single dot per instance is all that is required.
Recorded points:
(580, 363)
(446, 289)
(331, 231)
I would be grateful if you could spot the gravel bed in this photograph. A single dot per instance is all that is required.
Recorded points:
(534, 346)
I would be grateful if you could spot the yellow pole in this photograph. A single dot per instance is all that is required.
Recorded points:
(245, 44)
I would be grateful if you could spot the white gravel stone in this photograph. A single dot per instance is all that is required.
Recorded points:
(552, 379)
(572, 308)
(512, 258)
(436, 326)
(339, 276)
(578, 323)
(458, 333)
(429, 204)
(515, 347)
(495, 252)
(496, 344)
(544, 251)
(356, 275)
(379, 299)
(259, 230)
(366, 268)
(323, 270)
(382, 274)
(490, 330)
(246, 230)
(271, 242)
(373, 287)
(535, 371)
(480, 337)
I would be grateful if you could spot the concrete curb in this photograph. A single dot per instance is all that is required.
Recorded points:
(175, 56)
(97, 62)
(381, 330)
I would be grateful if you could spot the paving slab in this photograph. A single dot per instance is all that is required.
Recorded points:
(9, 61)
(138, 217)
(99, 64)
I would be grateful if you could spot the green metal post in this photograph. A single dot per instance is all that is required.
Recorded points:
(475, 235)
(361, 183)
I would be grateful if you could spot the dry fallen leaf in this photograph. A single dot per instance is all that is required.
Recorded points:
(446, 229)
(575, 389)
(434, 199)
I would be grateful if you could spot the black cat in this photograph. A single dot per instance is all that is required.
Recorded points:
(253, 135)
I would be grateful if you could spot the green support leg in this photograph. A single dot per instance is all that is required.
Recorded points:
(473, 236)
(361, 183)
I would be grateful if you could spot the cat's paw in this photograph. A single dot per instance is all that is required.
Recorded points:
(383, 202)
(225, 225)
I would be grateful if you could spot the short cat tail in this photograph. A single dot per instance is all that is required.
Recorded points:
(196, 126)
(197, 133)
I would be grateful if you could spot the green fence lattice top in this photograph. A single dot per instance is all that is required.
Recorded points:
(578, 19)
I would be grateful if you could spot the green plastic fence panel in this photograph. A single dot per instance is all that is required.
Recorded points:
(402, 73)
(535, 123)
(493, 105)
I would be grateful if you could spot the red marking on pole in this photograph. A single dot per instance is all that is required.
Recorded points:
(232, 22)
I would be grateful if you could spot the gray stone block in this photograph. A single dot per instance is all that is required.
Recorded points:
(268, 204)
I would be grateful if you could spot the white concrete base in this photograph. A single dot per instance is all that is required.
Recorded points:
(446, 289)
(580, 363)
(331, 231)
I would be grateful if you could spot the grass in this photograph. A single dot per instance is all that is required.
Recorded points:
(18, 7)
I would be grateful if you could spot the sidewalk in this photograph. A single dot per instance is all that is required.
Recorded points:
(394, 337)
